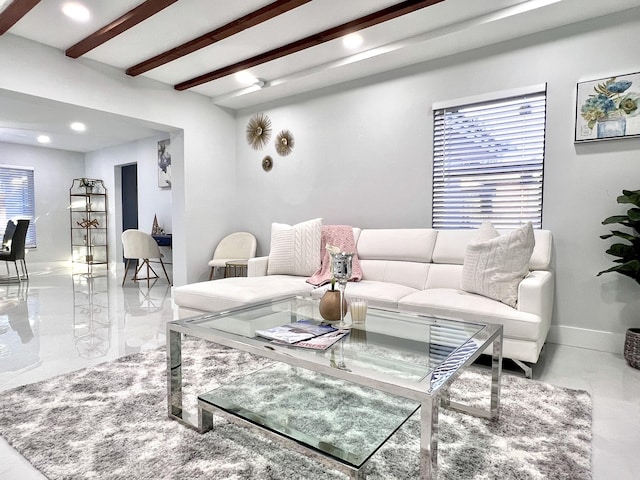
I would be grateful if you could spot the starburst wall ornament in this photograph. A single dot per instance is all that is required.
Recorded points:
(284, 143)
(258, 131)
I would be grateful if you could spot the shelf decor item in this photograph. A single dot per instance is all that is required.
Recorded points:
(258, 131)
(608, 108)
(88, 210)
(284, 143)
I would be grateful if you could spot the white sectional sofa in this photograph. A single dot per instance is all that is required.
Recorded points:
(413, 270)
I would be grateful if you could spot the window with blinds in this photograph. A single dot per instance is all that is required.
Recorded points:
(488, 159)
(17, 199)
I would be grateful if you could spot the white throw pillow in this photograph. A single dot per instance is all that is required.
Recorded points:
(486, 232)
(495, 267)
(295, 250)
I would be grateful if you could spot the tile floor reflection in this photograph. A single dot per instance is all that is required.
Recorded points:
(60, 322)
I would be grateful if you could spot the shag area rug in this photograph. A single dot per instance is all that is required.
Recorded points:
(110, 422)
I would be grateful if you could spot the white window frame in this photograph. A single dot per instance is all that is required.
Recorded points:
(17, 198)
(488, 159)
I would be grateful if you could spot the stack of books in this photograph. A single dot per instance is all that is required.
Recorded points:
(304, 333)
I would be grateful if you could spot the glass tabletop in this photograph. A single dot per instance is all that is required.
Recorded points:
(401, 346)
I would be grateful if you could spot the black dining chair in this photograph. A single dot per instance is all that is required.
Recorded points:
(8, 235)
(16, 247)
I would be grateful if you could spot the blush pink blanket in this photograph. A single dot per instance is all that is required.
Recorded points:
(340, 236)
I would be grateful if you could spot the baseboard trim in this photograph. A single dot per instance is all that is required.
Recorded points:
(586, 338)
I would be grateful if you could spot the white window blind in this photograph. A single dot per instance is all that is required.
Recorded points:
(17, 198)
(488, 162)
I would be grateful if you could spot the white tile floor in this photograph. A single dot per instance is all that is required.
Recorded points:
(59, 323)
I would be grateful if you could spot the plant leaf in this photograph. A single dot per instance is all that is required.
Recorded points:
(630, 196)
(630, 269)
(623, 219)
(625, 236)
(621, 250)
(634, 214)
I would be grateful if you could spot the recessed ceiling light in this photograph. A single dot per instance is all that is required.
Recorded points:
(76, 11)
(245, 77)
(353, 40)
(78, 127)
(44, 139)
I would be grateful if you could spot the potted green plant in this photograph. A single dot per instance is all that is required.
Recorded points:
(627, 261)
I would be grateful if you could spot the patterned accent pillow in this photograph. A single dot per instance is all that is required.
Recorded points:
(495, 267)
(486, 232)
(295, 250)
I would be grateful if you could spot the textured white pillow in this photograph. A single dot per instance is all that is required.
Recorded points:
(486, 232)
(295, 250)
(495, 267)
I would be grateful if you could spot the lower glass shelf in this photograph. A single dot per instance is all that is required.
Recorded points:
(344, 421)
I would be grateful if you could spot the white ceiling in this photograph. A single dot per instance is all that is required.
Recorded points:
(449, 27)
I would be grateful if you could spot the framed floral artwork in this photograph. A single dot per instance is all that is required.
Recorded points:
(608, 108)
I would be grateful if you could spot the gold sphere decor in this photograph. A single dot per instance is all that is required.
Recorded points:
(284, 143)
(267, 163)
(258, 131)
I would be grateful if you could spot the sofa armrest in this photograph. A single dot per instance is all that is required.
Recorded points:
(535, 295)
(257, 267)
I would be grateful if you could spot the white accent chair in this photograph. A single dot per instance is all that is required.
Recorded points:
(233, 247)
(139, 245)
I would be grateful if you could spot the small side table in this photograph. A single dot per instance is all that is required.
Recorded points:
(236, 268)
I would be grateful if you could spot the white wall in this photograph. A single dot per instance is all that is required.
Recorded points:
(363, 154)
(203, 146)
(152, 200)
(363, 157)
(53, 173)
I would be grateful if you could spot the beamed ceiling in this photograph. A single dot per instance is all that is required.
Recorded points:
(287, 47)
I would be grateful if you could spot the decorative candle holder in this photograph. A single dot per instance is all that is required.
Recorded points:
(358, 309)
(341, 264)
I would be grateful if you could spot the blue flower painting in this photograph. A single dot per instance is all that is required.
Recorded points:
(608, 108)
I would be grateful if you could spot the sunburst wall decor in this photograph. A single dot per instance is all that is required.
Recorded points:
(267, 163)
(258, 131)
(284, 143)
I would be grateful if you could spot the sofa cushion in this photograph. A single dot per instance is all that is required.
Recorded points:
(233, 292)
(494, 268)
(378, 294)
(459, 305)
(450, 245)
(402, 244)
(444, 276)
(295, 250)
(410, 274)
(542, 252)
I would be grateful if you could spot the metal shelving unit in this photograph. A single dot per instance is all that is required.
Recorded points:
(88, 209)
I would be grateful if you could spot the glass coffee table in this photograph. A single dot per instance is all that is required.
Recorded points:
(338, 405)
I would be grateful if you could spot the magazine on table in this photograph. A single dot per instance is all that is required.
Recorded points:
(321, 342)
(295, 332)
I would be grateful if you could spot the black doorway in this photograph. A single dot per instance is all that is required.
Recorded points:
(129, 196)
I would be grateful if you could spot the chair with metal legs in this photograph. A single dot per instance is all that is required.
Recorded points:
(139, 245)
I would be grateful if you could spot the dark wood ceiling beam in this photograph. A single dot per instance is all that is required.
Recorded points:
(236, 26)
(14, 12)
(122, 24)
(361, 23)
